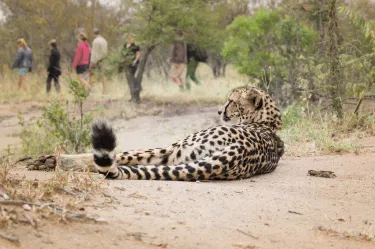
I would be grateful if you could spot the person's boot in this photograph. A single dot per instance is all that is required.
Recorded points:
(196, 81)
(188, 86)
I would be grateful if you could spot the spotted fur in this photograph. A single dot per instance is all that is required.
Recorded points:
(225, 152)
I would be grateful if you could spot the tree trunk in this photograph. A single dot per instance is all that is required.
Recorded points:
(334, 63)
(135, 81)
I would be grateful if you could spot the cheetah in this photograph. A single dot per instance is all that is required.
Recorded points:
(226, 152)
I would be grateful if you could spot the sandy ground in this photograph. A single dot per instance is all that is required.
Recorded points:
(284, 209)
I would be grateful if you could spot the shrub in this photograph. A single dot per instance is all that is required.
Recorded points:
(57, 127)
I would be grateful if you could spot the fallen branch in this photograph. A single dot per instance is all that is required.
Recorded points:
(9, 237)
(20, 202)
(22, 159)
(68, 215)
(65, 191)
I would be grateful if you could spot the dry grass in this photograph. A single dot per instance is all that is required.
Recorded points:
(33, 202)
(157, 88)
(349, 235)
(313, 132)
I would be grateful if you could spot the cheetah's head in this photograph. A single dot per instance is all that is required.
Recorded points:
(250, 105)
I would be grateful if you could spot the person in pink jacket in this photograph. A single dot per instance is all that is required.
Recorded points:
(81, 60)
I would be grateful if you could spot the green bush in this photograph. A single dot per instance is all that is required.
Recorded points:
(263, 46)
(292, 115)
(59, 128)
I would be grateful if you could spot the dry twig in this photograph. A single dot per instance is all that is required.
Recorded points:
(9, 237)
(294, 212)
(248, 234)
(30, 220)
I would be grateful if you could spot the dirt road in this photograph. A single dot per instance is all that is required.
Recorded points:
(284, 209)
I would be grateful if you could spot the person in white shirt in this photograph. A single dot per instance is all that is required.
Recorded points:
(98, 54)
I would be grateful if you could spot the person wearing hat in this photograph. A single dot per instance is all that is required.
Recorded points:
(81, 60)
(23, 62)
(53, 69)
(98, 54)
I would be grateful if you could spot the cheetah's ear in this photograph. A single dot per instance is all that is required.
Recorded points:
(255, 98)
(258, 102)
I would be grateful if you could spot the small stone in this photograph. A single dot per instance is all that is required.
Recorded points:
(5, 196)
(101, 220)
(47, 241)
(26, 207)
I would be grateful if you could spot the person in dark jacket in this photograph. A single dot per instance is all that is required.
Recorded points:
(53, 69)
(23, 62)
(194, 56)
(129, 60)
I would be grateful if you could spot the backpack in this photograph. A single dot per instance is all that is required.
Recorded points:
(196, 53)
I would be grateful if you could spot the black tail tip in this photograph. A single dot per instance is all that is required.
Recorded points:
(103, 137)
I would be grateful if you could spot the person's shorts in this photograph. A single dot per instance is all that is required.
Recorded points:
(22, 71)
(99, 67)
(81, 69)
(178, 70)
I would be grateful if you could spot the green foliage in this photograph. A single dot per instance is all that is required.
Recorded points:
(156, 22)
(78, 90)
(35, 141)
(358, 20)
(267, 43)
(59, 128)
(317, 133)
(293, 114)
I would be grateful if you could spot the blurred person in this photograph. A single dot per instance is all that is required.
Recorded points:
(53, 69)
(98, 54)
(178, 61)
(81, 60)
(194, 56)
(24, 62)
(130, 57)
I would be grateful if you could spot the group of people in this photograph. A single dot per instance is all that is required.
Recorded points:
(89, 61)
(184, 62)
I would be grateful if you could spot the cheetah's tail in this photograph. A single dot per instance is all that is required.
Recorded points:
(104, 143)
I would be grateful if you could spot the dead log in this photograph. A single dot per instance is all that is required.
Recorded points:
(65, 162)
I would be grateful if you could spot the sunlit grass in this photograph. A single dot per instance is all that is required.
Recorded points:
(156, 88)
